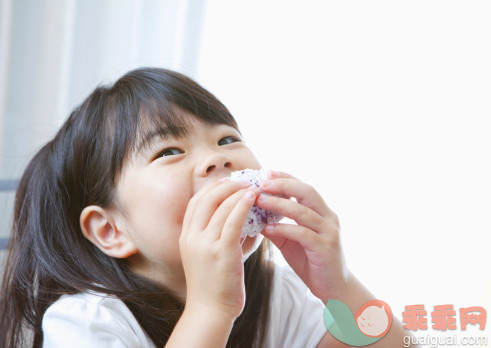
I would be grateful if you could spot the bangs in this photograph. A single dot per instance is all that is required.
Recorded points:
(159, 121)
(152, 102)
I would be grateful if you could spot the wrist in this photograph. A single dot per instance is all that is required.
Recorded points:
(344, 288)
(205, 310)
(354, 294)
(201, 325)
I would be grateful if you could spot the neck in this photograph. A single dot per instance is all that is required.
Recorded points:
(171, 278)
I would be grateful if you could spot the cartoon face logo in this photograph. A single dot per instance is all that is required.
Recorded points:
(374, 318)
(371, 323)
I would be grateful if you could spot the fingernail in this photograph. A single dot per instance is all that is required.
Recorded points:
(262, 197)
(227, 178)
(273, 174)
(266, 183)
(249, 194)
(269, 228)
(245, 183)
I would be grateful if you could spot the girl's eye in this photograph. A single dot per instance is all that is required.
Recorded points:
(229, 137)
(169, 150)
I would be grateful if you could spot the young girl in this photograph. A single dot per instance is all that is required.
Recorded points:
(125, 236)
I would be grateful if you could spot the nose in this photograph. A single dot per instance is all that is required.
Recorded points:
(215, 164)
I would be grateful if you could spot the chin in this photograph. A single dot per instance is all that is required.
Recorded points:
(250, 246)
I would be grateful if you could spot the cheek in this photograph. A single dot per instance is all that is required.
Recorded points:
(159, 211)
(169, 200)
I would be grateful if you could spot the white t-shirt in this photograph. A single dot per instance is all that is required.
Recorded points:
(89, 320)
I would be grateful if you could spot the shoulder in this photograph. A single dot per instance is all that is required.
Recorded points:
(297, 318)
(92, 319)
(88, 302)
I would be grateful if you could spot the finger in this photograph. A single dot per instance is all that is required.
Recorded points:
(283, 233)
(217, 221)
(233, 225)
(274, 174)
(296, 244)
(301, 214)
(188, 215)
(209, 202)
(304, 193)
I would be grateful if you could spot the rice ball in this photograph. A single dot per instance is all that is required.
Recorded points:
(257, 218)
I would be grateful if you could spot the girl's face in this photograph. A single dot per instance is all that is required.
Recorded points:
(157, 183)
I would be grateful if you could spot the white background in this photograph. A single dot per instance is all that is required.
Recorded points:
(384, 107)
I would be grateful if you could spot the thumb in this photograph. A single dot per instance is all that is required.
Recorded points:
(274, 237)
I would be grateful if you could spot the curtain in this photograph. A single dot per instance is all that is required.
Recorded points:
(53, 53)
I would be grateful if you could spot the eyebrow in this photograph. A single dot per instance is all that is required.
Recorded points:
(162, 133)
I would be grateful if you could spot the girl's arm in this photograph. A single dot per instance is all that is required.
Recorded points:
(201, 326)
(354, 297)
(313, 248)
(212, 260)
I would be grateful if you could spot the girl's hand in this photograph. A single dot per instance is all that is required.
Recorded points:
(210, 246)
(312, 248)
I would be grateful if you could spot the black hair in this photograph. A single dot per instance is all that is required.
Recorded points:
(48, 254)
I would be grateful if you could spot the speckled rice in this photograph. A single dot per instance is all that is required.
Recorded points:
(257, 218)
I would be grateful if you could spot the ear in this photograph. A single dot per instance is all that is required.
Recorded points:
(98, 226)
